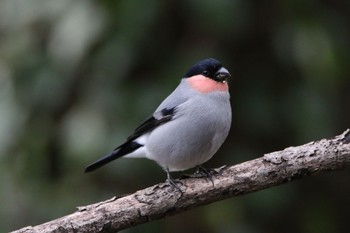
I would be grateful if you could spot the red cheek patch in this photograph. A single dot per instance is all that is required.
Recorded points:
(206, 85)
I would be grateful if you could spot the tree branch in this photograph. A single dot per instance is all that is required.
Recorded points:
(162, 200)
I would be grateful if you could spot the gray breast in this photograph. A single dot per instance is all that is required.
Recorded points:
(197, 131)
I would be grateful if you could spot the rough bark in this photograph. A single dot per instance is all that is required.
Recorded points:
(162, 200)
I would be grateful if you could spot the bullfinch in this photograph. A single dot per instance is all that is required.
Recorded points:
(187, 128)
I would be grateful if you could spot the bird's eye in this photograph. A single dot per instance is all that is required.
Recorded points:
(205, 73)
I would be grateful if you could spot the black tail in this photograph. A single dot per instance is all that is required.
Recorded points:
(120, 151)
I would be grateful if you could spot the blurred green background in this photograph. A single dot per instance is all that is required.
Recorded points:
(76, 77)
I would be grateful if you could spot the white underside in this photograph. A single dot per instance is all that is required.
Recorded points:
(139, 153)
(142, 151)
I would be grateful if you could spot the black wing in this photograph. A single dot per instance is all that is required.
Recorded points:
(129, 145)
(152, 122)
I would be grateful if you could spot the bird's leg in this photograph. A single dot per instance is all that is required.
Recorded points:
(172, 181)
(202, 172)
(208, 173)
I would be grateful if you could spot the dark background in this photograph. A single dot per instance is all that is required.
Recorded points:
(76, 77)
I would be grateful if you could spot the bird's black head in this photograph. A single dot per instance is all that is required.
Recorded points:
(209, 68)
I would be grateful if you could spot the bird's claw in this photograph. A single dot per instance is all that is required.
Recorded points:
(202, 172)
(174, 182)
(206, 172)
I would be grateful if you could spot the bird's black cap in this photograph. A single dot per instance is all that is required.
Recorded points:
(208, 68)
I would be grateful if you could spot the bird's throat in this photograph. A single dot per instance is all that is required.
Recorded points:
(206, 85)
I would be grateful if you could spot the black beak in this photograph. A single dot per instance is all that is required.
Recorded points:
(222, 75)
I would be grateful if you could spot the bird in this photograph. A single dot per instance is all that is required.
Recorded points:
(187, 128)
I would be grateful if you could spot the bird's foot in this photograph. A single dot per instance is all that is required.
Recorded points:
(206, 173)
(174, 182)
(202, 172)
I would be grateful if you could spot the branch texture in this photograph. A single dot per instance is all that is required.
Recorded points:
(162, 200)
